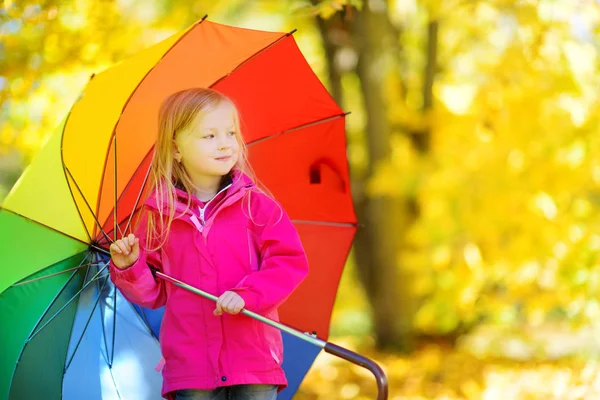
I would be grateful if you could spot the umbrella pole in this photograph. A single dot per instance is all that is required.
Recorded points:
(338, 351)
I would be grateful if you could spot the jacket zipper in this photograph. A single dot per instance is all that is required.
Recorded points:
(203, 209)
(230, 200)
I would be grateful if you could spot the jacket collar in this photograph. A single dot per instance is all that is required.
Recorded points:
(236, 180)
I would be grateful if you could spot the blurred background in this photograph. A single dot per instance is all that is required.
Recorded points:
(474, 149)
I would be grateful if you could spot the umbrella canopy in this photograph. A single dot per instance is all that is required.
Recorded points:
(64, 326)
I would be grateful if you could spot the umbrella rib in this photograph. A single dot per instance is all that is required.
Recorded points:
(52, 265)
(54, 274)
(137, 200)
(95, 277)
(101, 241)
(115, 186)
(62, 160)
(104, 354)
(114, 328)
(42, 224)
(114, 382)
(106, 358)
(34, 334)
(64, 286)
(85, 278)
(86, 325)
(144, 320)
(253, 56)
(86, 203)
(99, 197)
(296, 128)
(139, 196)
(100, 249)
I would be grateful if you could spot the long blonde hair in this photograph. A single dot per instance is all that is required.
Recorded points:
(176, 113)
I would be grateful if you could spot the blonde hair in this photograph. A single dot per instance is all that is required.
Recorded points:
(176, 113)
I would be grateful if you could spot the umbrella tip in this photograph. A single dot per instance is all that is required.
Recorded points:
(205, 16)
(292, 32)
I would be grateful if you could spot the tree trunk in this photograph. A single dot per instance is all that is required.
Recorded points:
(421, 139)
(329, 30)
(385, 219)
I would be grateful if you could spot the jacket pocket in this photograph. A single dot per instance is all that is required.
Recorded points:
(271, 342)
(275, 356)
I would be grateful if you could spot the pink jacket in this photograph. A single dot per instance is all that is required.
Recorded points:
(261, 258)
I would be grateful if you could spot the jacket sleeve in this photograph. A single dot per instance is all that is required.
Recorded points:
(283, 266)
(136, 282)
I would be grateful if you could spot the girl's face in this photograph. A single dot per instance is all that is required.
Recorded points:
(209, 147)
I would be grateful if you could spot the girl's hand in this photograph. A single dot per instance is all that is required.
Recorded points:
(125, 252)
(229, 302)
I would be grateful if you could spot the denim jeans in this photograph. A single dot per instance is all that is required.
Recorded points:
(236, 392)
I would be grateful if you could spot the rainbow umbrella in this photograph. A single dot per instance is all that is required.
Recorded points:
(66, 331)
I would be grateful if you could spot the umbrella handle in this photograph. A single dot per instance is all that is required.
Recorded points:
(355, 358)
(338, 351)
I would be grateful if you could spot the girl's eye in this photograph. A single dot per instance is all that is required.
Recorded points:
(231, 133)
(208, 136)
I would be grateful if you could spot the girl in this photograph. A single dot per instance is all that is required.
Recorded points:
(207, 224)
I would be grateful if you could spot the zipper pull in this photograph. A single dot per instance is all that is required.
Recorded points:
(202, 216)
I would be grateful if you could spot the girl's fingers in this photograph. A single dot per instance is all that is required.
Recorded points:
(122, 246)
(228, 302)
(135, 249)
(219, 309)
(241, 301)
(115, 249)
(240, 305)
(234, 303)
(128, 243)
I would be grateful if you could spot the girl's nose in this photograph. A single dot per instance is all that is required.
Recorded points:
(223, 146)
(224, 142)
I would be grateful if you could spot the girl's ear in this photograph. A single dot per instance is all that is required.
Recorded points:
(176, 152)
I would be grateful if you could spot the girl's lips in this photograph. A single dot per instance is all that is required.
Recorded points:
(223, 158)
